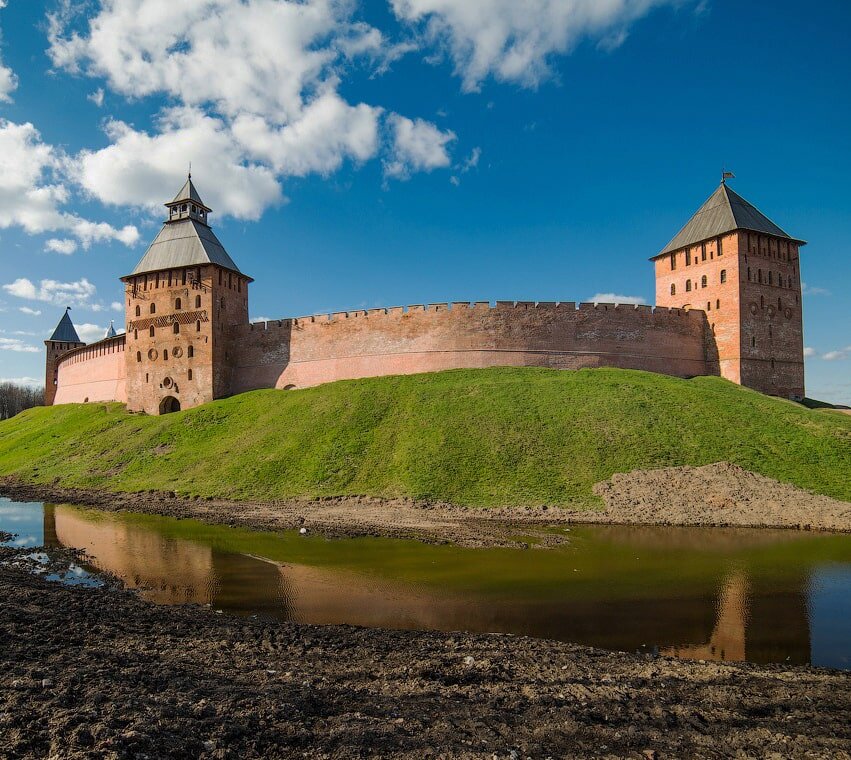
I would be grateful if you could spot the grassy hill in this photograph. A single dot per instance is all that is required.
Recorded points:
(477, 437)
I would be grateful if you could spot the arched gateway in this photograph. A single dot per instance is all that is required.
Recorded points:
(169, 404)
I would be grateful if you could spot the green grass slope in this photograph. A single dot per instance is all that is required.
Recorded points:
(476, 437)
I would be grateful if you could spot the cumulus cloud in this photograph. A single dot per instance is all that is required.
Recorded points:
(117, 306)
(839, 354)
(254, 87)
(18, 346)
(809, 351)
(137, 166)
(96, 97)
(33, 191)
(64, 246)
(29, 311)
(8, 80)
(89, 332)
(417, 145)
(77, 293)
(616, 298)
(515, 40)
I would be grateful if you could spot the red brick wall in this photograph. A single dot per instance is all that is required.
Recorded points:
(314, 350)
(758, 340)
(190, 365)
(92, 373)
(54, 350)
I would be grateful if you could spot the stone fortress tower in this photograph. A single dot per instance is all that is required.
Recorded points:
(743, 270)
(179, 301)
(728, 294)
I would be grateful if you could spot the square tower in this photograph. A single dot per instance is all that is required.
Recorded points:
(179, 301)
(63, 339)
(743, 271)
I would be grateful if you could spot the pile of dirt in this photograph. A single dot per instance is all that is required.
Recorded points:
(100, 673)
(720, 494)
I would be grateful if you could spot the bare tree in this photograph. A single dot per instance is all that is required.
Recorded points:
(15, 398)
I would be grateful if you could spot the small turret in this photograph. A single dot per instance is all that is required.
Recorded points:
(110, 331)
(63, 339)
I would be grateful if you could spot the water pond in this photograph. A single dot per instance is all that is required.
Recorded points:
(732, 594)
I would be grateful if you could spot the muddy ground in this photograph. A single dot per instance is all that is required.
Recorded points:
(100, 673)
(715, 495)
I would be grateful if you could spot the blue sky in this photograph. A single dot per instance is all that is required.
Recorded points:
(383, 152)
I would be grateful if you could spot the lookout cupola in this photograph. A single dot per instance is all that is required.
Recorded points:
(187, 204)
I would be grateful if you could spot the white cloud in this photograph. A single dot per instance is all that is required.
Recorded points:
(616, 298)
(514, 40)
(809, 351)
(839, 354)
(810, 290)
(32, 381)
(64, 246)
(254, 87)
(418, 145)
(116, 306)
(89, 333)
(8, 80)
(32, 190)
(78, 293)
(96, 97)
(17, 345)
(28, 310)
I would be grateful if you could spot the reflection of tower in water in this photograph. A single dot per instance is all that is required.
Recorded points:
(742, 631)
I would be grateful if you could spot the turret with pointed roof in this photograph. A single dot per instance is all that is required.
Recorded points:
(724, 211)
(743, 270)
(186, 238)
(62, 340)
(65, 331)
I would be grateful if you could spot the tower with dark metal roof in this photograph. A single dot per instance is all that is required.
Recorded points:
(743, 270)
(180, 300)
(62, 340)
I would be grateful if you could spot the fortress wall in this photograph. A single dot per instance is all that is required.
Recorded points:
(308, 351)
(96, 372)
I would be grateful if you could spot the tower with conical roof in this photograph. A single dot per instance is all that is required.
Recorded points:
(743, 270)
(63, 339)
(180, 299)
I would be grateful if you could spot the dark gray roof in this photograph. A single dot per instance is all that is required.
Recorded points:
(723, 212)
(65, 331)
(188, 193)
(110, 331)
(182, 244)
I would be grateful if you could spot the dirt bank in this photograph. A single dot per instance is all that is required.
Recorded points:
(100, 673)
(714, 495)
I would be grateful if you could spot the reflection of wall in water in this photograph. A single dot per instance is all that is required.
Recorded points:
(169, 571)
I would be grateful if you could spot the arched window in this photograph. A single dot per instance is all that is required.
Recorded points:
(709, 306)
(152, 332)
(759, 275)
(673, 289)
(165, 355)
(749, 274)
(138, 356)
(178, 304)
(198, 326)
(688, 286)
(153, 308)
(189, 374)
(197, 302)
(135, 335)
(723, 276)
(718, 303)
(753, 341)
(138, 311)
(176, 328)
(770, 277)
(772, 364)
(190, 352)
(703, 281)
(762, 302)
